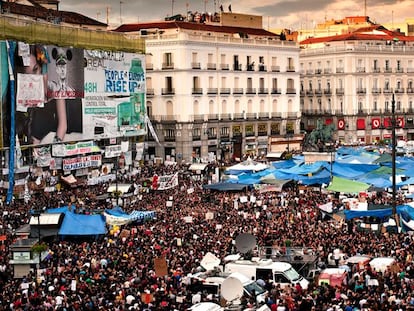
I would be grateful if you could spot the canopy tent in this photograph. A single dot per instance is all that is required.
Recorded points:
(248, 166)
(339, 184)
(224, 186)
(82, 225)
(272, 180)
(197, 166)
(117, 216)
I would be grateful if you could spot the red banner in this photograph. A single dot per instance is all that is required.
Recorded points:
(360, 124)
(400, 122)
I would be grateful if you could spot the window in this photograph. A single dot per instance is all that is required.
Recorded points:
(168, 61)
(210, 82)
(196, 82)
(387, 65)
(310, 86)
(387, 84)
(320, 104)
(223, 82)
(249, 83)
(261, 83)
(196, 133)
(169, 133)
(210, 58)
(281, 278)
(386, 105)
(399, 65)
(236, 82)
(375, 64)
(398, 105)
(224, 131)
(375, 105)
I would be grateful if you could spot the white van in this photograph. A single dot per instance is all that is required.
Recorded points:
(213, 285)
(381, 264)
(281, 273)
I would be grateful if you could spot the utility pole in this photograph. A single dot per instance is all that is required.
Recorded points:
(394, 143)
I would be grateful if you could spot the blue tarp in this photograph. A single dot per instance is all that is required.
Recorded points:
(224, 186)
(133, 216)
(79, 224)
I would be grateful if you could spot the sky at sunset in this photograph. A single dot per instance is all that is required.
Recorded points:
(291, 14)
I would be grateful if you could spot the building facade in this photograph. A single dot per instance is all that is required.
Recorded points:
(215, 90)
(355, 80)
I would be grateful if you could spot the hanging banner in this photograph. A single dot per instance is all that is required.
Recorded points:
(167, 182)
(82, 162)
(113, 151)
(68, 150)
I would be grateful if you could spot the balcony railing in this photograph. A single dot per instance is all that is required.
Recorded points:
(376, 90)
(250, 115)
(361, 90)
(197, 91)
(340, 70)
(275, 68)
(376, 70)
(399, 70)
(276, 91)
(387, 90)
(250, 67)
(318, 71)
(327, 70)
(399, 90)
(327, 91)
(410, 90)
(290, 69)
(360, 69)
(262, 68)
(276, 114)
(237, 91)
(250, 91)
(225, 116)
(263, 90)
(195, 65)
(237, 67)
(211, 66)
(309, 92)
(150, 92)
(309, 71)
(224, 66)
(318, 92)
(238, 116)
(167, 91)
(224, 90)
(167, 66)
(212, 90)
(340, 91)
(388, 70)
(263, 115)
(169, 138)
(290, 91)
(149, 66)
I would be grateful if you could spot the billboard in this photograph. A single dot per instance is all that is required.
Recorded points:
(71, 94)
(114, 103)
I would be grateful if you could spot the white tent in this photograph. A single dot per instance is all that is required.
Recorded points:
(248, 166)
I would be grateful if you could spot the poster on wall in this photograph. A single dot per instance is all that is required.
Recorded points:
(48, 92)
(114, 102)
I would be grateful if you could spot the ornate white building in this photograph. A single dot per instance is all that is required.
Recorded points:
(351, 79)
(219, 86)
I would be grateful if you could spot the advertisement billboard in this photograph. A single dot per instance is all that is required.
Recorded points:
(70, 94)
(114, 103)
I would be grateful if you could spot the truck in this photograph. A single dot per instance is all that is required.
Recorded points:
(280, 273)
(335, 277)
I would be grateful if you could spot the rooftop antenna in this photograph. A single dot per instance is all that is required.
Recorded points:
(172, 7)
(120, 12)
(107, 15)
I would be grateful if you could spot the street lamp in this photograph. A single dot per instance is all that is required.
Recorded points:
(394, 143)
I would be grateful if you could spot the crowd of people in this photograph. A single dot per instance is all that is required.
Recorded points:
(118, 272)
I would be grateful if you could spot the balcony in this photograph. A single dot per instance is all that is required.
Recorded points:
(309, 92)
(211, 66)
(410, 70)
(263, 90)
(387, 70)
(360, 69)
(213, 116)
(327, 71)
(302, 93)
(195, 66)
(376, 70)
(410, 90)
(197, 91)
(275, 68)
(237, 91)
(167, 91)
(150, 92)
(276, 114)
(250, 115)
(263, 115)
(250, 67)
(399, 90)
(149, 66)
(387, 90)
(318, 71)
(212, 91)
(327, 91)
(224, 91)
(340, 91)
(238, 116)
(318, 92)
(309, 71)
(276, 91)
(198, 117)
(290, 69)
(290, 91)
(340, 70)
(250, 91)
(361, 90)
(224, 66)
(376, 90)
(262, 68)
(169, 138)
(399, 70)
(225, 116)
(166, 66)
(237, 67)
(198, 137)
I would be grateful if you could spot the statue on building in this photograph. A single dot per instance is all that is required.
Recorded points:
(320, 139)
